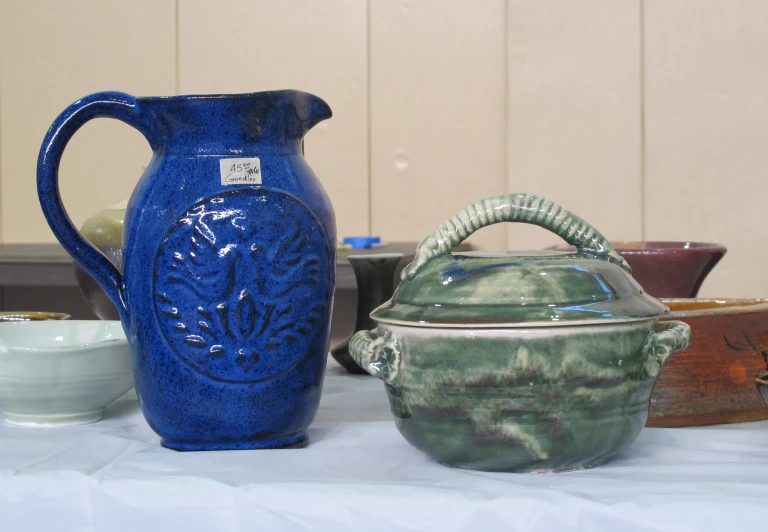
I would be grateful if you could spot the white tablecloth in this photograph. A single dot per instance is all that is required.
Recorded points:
(359, 474)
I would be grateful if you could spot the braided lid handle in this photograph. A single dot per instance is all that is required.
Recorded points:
(513, 207)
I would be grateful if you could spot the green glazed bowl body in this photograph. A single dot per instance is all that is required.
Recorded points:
(537, 399)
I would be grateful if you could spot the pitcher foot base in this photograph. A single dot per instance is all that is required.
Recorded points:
(289, 442)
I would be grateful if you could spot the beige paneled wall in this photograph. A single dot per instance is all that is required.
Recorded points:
(647, 117)
(574, 111)
(706, 123)
(319, 47)
(52, 53)
(437, 113)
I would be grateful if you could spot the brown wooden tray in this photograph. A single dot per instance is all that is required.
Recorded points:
(713, 381)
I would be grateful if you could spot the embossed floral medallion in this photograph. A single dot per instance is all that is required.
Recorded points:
(245, 284)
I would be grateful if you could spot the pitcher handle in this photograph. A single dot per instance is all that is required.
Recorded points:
(120, 106)
(513, 207)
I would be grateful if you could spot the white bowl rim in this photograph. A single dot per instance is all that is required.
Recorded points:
(55, 349)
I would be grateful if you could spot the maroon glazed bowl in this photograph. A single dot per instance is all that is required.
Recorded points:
(670, 269)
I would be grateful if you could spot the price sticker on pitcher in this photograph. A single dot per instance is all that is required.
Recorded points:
(240, 171)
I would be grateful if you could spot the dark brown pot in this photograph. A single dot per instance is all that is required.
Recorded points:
(713, 381)
(375, 275)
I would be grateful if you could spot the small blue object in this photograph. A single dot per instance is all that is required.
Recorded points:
(361, 242)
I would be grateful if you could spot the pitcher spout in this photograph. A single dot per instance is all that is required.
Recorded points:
(319, 110)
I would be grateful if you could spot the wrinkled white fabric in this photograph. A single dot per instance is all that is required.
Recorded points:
(359, 474)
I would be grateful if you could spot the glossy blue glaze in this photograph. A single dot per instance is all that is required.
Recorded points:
(227, 289)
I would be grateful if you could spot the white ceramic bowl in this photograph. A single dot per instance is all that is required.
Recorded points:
(59, 373)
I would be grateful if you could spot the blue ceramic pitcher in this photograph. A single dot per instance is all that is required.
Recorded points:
(229, 263)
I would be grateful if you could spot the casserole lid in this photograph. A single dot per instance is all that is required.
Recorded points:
(537, 288)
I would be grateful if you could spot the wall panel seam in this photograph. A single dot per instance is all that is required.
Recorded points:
(177, 62)
(2, 225)
(643, 166)
(505, 58)
(369, 113)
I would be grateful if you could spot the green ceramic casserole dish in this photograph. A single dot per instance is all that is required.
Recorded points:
(541, 361)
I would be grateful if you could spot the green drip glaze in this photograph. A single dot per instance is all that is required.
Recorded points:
(466, 290)
(520, 399)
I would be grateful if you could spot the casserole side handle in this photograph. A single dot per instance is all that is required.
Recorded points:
(667, 337)
(378, 354)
